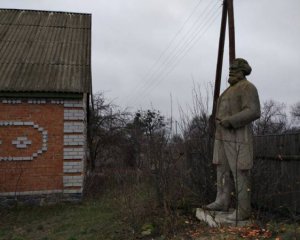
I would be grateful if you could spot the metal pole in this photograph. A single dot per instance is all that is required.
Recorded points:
(219, 64)
(231, 31)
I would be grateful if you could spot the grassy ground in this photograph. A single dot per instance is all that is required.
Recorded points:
(89, 220)
(113, 215)
(122, 215)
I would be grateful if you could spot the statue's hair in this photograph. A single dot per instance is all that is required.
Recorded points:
(243, 65)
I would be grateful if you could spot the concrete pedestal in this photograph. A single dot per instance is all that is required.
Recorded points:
(218, 218)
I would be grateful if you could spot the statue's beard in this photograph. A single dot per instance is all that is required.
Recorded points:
(234, 78)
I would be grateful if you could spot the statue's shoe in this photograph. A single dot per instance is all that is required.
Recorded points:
(217, 206)
(241, 216)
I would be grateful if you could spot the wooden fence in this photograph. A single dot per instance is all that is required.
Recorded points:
(276, 172)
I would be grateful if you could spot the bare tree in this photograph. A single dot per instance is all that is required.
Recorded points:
(153, 129)
(273, 119)
(295, 112)
(195, 122)
(198, 144)
(106, 130)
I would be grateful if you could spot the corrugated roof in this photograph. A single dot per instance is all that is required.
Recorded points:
(44, 51)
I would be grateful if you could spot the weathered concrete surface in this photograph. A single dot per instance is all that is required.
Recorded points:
(218, 218)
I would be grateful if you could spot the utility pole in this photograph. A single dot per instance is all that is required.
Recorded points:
(231, 31)
(227, 10)
(219, 65)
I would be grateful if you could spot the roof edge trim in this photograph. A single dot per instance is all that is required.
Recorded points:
(40, 95)
(49, 11)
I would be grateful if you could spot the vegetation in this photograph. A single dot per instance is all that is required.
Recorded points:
(91, 220)
(144, 181)
(109, 216)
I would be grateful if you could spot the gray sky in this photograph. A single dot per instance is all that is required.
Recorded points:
(129, 37)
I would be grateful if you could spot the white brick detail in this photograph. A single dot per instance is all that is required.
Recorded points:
(57, 101)
(12, 101)
(73, 153)
(71, 114)
(23, 142)
(37, 101)
(73, 191)
(73, 127)
(73, 181)
(73, 167)
(73, 140)
(73, 104)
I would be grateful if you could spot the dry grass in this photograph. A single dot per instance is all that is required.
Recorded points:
(120, 214)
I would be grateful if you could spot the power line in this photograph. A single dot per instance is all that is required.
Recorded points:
(180, 58)
(179, 48)
(170, 43)
(182, 51)
(168, 60)
(148, 77)
(187, 50)
(147, 81)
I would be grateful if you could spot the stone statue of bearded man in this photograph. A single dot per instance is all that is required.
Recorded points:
(237, 107)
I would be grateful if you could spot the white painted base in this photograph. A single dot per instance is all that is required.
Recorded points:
(218, 218)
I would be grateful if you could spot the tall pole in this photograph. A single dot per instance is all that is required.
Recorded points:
(231, 31)
(231, 58)
(219, 64)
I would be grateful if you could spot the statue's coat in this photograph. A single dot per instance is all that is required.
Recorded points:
(239, 104)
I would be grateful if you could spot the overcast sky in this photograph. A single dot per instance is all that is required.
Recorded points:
(145, 50)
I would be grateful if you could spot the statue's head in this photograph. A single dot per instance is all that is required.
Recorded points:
(238, 70)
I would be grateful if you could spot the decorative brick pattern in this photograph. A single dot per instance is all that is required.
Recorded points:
(73, 140)
(73, 167)
(57, 101)
(73, 153)
(70, 114)
(39, 167)
(73, 104)
(65, 170)
(12, 101)
(73, 127)
(23, 142)
(73, 181)
(36, 101)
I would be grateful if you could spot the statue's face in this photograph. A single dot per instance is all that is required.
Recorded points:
(235, 73)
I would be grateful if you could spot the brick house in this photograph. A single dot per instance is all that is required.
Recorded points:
(45, 86)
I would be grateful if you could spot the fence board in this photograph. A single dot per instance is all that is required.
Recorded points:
(276, 178)
(275, 174)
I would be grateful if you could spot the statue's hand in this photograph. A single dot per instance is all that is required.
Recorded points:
(226, 124)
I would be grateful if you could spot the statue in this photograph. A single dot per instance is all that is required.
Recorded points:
(237, 107)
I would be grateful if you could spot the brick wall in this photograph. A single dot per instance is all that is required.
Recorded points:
(41, 146)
